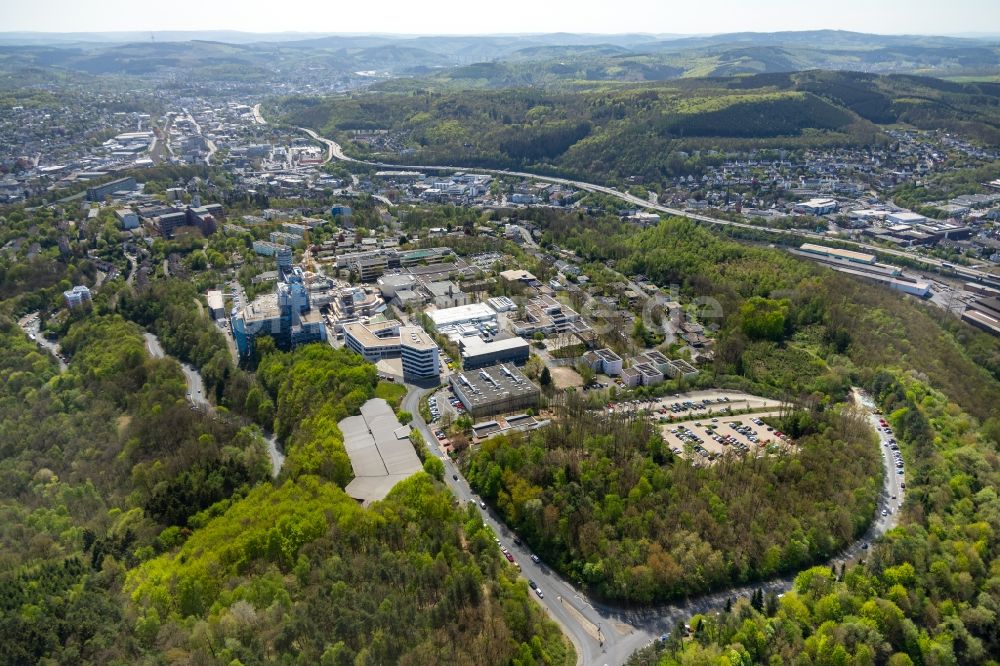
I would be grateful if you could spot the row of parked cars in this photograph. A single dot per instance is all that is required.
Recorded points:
(892, 444)
(690, 437)
(689, 405)
(435, 410)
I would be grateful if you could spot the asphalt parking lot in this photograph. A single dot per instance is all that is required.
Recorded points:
(705, 440)
(699, 403)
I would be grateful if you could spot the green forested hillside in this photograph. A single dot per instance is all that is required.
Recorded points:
(132, 524)
(606, 503)
(786, 326)
(927, 594)
(86, 459)
(301, 571)
(611, 131)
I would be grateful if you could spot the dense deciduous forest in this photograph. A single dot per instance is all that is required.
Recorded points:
(928, 593)
(301, 572)
(93, 461)
(604, 501)
(135, 527)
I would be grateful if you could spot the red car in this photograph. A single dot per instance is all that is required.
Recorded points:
(510, 558)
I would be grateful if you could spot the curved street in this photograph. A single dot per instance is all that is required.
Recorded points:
(608, 634)
(334, 151)
(195, 385)
(605, 633)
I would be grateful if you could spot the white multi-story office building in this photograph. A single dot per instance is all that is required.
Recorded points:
(77, 296)
(389, 339)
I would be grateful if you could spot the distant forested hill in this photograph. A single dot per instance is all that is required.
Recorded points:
(611, 131)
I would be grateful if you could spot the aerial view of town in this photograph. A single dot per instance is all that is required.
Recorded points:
(523, 335)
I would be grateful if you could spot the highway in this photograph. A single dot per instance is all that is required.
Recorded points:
(609, 634)
(257, 118)
(334, 151)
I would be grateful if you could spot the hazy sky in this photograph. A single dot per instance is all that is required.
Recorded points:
(503, 16)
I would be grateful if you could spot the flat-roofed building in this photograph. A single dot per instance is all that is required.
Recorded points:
(477, 352)
(837, 253)
(370, 268)
(474, 313)
(418, 352)
(373, 341)
(98, 192)
(983, 321)
(216, 304)
(127, 218)
(295, 229)
(517, 275)
(651, 375)
(681, 368)
(167, 223)
(353, 303)
(284, 238)
(446, 294)
(501, 304)
(77, 296)
(817, 206)
(604, 361)
(495, 389)
(427, 256)
(548, 316)
(266, 248)
(262, 316)
(631, 377)
(309, 328)
(905, 217)
(390, 284)
(656, 359)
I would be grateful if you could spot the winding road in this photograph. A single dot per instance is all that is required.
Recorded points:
(608, 634)
(605, 633)
(334, 151)
(31, 325)
(196, 395)
(195, 386)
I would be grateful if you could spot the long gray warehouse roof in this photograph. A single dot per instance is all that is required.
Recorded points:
(380, 451)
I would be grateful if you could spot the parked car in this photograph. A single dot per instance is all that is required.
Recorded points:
(535, 559)
(538, 591)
